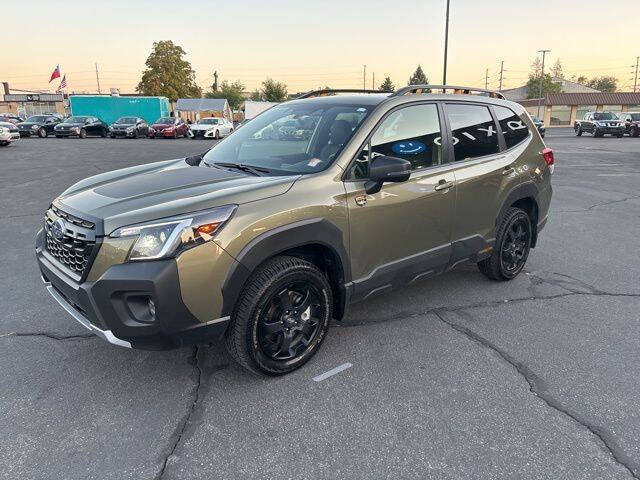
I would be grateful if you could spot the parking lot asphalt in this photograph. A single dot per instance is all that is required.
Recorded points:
(456, 377)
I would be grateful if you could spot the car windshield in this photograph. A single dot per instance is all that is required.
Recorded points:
(208, 121)
(76, 120)
(605, 116)
(126, 120)
(635, 117)
(37, 119)
(292, 138)
(165, 121)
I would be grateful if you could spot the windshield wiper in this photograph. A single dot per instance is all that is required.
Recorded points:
(245, 168)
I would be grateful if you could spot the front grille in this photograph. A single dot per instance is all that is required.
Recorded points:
(75, 247)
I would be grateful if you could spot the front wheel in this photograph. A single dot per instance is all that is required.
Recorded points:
(579, 131)
(42, 132)
(634, 132)
(281, 317)
(596, 133)
(83, 133)
(104, 132)
(512, 246)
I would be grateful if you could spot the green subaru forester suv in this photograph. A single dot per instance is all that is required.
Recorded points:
(316, 203)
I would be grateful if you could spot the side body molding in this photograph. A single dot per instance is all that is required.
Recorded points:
(311, 231)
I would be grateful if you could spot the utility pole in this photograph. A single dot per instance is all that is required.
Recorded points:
(635, 81)
(544, 52)
(446, 45)
(364, 78)
(98, 79)
(501, 70)
(373, 81)
(486, 78)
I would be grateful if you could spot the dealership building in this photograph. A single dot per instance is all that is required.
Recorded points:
(562, 109)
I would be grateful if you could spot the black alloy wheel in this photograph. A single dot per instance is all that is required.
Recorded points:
(511, 250)
(42, 132)
(290, 321)
(281, 317)
(83, 133)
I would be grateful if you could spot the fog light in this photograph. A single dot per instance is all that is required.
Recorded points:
(152, 308)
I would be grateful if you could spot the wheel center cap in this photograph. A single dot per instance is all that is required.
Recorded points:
(289, 321)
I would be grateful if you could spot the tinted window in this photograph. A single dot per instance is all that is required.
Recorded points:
(473, 129)
(513, 128)
(412, 133)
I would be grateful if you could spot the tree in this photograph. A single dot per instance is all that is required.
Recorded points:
(387, 85)
(418, 77)
(548, 86)
(582, 79)
(273, 91)
(256, 96)
(604, 84)
(536, 67)
(556, 70)
(167, 74)
(233, 92)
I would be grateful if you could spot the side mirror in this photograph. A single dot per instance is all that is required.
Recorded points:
(386, 169)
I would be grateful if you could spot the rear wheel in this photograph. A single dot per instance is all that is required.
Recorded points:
(579, 131)
(634, 132)
(511, 250)
(281, 318)
(42, 132)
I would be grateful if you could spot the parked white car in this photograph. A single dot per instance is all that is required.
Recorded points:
(212, 127)
(8, 133)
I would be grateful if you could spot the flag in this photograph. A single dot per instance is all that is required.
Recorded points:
(55, 74)
(63, 84)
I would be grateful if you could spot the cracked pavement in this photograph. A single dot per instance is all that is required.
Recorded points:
(454, 377)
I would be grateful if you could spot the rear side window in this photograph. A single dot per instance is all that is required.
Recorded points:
(474, 133)
(513, 128)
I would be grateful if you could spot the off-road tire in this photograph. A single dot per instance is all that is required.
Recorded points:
(492, 267)
(241, 337)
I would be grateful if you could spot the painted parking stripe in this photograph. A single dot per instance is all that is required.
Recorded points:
(332, 372)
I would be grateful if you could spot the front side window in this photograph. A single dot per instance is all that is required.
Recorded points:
(474, 133)
(513, 128)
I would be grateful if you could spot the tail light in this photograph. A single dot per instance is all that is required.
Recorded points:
(547, 154)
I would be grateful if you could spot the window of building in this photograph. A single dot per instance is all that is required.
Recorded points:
(560, 115)
(474, 132)
(513, 128)
(612, 108)
(582, 110)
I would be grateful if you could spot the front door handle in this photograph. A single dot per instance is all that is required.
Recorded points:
(443, 185)
(508, 171)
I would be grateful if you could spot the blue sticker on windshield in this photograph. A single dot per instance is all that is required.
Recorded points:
(408, 147)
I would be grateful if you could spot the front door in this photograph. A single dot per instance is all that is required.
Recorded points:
(403, 232)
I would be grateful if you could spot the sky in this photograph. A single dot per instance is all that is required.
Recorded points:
(313, 43)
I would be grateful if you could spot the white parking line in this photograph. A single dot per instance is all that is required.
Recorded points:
(332, 372)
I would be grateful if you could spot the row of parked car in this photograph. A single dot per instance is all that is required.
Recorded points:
(599, 124)
(13, 127)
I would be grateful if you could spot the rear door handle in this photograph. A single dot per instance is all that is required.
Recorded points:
(508, 171)
(443, 185)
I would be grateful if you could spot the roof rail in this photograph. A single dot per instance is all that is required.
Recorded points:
(328, 91)
(456, 89)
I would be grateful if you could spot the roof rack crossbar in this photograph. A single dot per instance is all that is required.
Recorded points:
(326, 91)
(455, 88)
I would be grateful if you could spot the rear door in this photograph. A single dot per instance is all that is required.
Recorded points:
(403, 232)
(485, 172)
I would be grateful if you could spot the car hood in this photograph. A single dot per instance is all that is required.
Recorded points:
(28, 124)
(164, 189)
(123, 125)
(161, 126)
(67, 125)
(200, 126)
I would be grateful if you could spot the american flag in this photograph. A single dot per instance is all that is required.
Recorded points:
(63, 84)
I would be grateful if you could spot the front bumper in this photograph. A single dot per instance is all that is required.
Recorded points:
(10, 137)
(203, 133)
(114, 307)
(66, 133)
(26, 133)
(611, 130)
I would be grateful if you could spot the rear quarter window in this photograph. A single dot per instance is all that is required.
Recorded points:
(513, 127)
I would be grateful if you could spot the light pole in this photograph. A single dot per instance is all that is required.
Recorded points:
(544, 52)
(446, 45)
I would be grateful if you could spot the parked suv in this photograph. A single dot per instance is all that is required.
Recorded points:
(631, 122)
(264, 241)
(599, 124)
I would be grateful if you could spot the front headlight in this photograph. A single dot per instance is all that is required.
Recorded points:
(170, 236)
(130, 129)
(76, 129)
(4, 131)
(34, 127)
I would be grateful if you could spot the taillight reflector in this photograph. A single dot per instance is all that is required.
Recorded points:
(547, 154)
